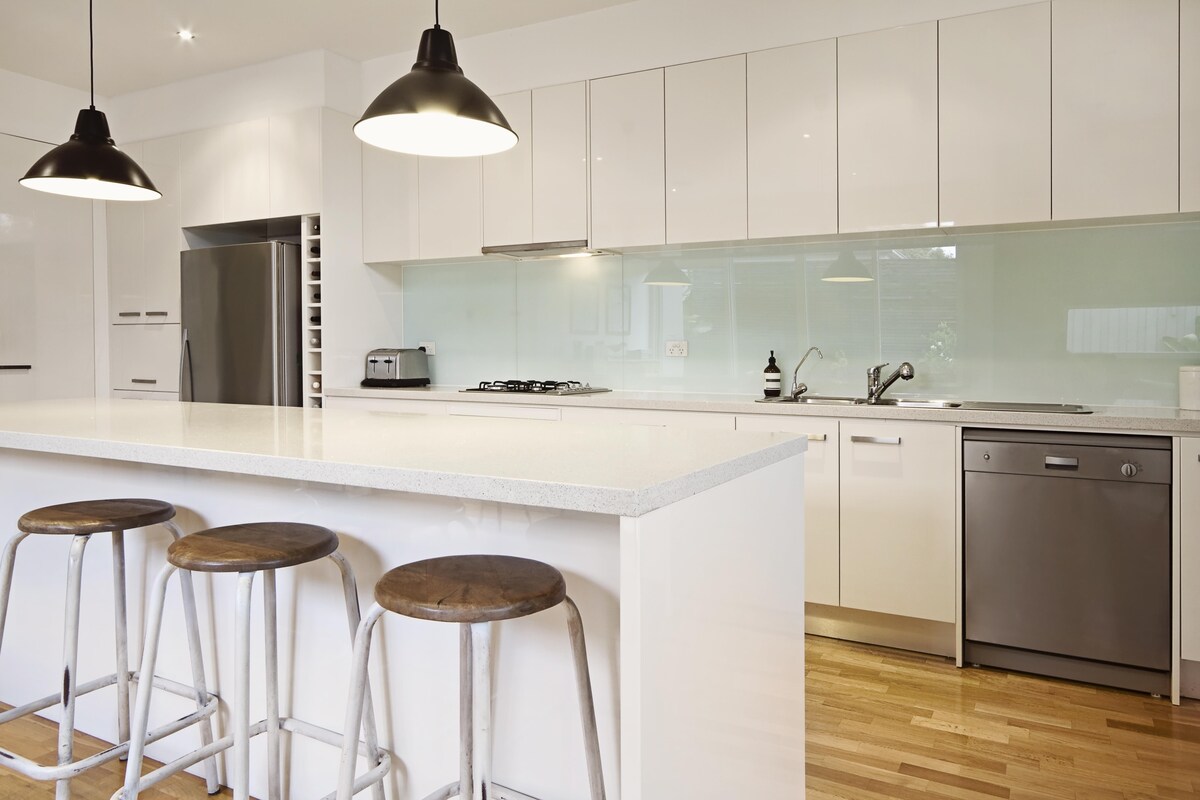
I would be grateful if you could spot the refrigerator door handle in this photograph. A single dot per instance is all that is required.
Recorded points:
(276, 319)
(185, 363)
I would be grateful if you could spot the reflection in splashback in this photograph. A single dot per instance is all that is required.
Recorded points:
(1092, 315)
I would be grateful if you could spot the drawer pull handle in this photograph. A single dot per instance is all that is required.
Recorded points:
(875, 439)
(816, 437)
(16, 366)
(1061, 462)
(129, 313)
(143, 380)
(156, 313)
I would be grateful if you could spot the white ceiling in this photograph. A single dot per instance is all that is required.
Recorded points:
(136, 45)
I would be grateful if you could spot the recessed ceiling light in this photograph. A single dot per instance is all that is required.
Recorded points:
(185, 35)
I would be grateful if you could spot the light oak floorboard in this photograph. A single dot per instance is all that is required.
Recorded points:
(891, 724)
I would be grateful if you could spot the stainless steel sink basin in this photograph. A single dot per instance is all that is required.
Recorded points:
(913, 402)
(916, 402)
(817, 400)
(1027, 408)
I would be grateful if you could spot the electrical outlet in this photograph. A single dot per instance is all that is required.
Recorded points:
(677, 349)
(430, 348)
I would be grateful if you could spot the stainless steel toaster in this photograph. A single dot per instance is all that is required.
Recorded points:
(397, 368)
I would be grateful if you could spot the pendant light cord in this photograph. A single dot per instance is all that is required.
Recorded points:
(92, 54)
(437, 13)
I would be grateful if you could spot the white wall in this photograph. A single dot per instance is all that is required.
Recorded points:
(653, 33)
(37, 109)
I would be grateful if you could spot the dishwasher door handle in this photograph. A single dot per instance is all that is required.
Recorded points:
(1061, 462)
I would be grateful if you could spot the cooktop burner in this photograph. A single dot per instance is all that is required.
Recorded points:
(538, 387)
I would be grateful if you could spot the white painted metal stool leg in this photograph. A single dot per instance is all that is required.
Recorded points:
(66, 724)
(122, 636)
(7, 561)
(141, 714)
(271, 632)
(481, 714)
(240, 763)
(587, 708)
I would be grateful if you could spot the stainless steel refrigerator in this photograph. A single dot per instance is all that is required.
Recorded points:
(241, 324)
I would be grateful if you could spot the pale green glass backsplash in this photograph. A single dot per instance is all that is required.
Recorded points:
(1095, 315)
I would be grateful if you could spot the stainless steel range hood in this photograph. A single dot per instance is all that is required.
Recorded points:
(575, 248)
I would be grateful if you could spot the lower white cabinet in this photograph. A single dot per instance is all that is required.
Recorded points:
(144, 357)
(1189, 530)
(898, 518)
(822, 524)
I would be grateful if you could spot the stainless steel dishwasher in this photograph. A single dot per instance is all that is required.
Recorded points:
(1067, 555)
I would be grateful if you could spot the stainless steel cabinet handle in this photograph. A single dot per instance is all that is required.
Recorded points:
(875, 439)
(816, 437)
(16, 366)
(1061, 462)
(156, 313)
(129, 313)
(143, 380)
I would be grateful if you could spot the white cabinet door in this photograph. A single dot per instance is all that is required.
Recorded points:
(144, 357)
(1115, 107)
(295, 163)
(560, 189)
(201, 168)
(822, 535)
(1189, 111)
(246, 172)
(887, 129)
(126, 251)
(508, 178)
(994, 116)
(628, 160)
(791, 127)
(390, 207)
(706, 150)
(450, 207)
(162, 238)
(898, 518)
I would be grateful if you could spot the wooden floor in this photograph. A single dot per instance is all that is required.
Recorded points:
(890, 724)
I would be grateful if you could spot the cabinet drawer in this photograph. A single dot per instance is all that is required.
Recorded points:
(398, 406)
(631, 416)
(145, 357)
(505, 411)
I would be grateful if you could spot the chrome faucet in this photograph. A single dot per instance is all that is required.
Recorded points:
(876, 387)
(800, 388)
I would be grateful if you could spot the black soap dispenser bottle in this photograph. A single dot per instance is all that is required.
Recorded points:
(772, 378)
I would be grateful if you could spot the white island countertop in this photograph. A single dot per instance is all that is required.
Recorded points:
(607, 469)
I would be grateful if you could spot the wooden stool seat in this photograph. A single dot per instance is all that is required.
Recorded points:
(252, 547)
(96, 516)
(471, 589)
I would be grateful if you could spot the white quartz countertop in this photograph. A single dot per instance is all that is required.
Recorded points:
(607, 469)
(1120, 419)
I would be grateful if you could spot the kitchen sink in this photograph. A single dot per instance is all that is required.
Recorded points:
(916, 402)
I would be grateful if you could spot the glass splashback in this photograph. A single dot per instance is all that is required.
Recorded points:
(1101, 315)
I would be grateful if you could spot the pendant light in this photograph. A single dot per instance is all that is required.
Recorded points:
(434, 110)
(847, 269)
(89, 163)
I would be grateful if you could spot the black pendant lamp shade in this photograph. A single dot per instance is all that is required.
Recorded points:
(434, 110)
(89, 163)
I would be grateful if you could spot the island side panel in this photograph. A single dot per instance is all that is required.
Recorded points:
(712, 642)
(538, 738)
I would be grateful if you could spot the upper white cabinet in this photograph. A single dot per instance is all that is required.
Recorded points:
(560, 165)
(251, 170)
(994, 116)
(449, 214)
(628, 160)
(46, 333)
(898, 518)
(1115, 107)
(887, 129)
(822, 540)
(791, 127)
(390, 208)
(508, 178)
(144, 240)
(706, 150)
(295, 163)
(1189, 110)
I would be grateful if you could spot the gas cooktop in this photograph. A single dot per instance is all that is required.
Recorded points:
(538, 387)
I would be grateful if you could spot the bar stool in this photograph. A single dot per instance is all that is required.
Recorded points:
(248, 550)
(81, 520)
(473, 591)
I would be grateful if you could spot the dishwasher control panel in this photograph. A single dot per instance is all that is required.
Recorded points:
(1101, 460)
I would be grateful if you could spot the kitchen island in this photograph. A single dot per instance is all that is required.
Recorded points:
(672, 543)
